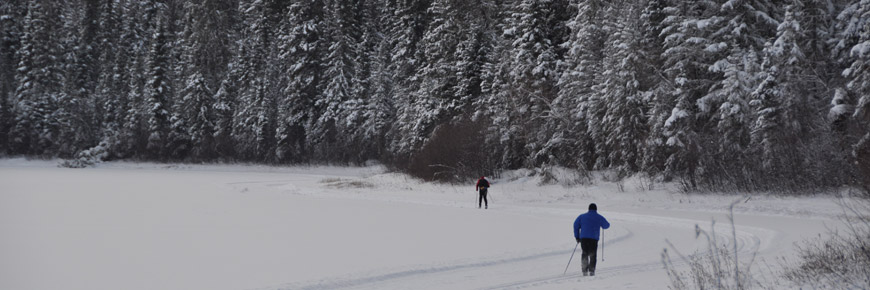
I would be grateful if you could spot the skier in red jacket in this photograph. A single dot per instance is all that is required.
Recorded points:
(482, 187)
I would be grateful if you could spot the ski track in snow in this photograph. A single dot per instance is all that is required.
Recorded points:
(382, 278)
(747, 244)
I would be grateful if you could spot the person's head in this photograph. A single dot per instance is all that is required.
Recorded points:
(592, 206)
(483, 177)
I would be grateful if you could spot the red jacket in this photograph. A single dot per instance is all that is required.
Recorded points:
(482, 182)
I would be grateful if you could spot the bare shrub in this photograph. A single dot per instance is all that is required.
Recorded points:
(562, 175)
(454, 153)
(718, 268)
(346, 183)
(841, 261)
(330, 180)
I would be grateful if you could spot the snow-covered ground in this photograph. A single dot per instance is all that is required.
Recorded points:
(151, 226)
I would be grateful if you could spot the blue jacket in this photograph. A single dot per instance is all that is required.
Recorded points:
(588, 225)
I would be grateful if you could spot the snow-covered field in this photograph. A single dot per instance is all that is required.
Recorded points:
(152, 226)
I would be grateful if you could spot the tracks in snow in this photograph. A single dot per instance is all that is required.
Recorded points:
(510, 272)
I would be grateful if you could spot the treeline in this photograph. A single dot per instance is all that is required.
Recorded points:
(717, 94)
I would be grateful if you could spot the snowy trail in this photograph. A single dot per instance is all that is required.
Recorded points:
(226, 227)
(492, 274)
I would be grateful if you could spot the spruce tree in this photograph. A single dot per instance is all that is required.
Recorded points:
(683, 57)
(300, 50)
(533, 77)
(157, 98)
(254, 122)
(39, 81)
(340, 68)
(855, 40)
(407, 23)
(570, 114)
(624, 106)
(437, 76)
(205, 57)
(11, 15)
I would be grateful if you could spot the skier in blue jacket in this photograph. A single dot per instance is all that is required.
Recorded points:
(586, 231)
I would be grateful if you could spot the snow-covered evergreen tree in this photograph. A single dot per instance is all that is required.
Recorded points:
(569, 115)
(367, 131)
(737, 33)
(225, 109)
(782, 101)
(76, 103)
(532, 77)
(121, 90)
(11, 15)
(380, 112)
(855, 40)
(684, 55)
(300, 50)
(379, 109)
(39, 82)
(407, 23)
(254, 130)
(656, 89)
(205, 58)
(107, 106)
(622, 99)
(157, 98)
(436, 78)
(337, 101)
(472, 54)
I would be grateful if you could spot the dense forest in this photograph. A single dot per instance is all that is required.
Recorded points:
(756, 95)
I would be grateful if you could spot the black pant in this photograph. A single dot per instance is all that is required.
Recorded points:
(590, 253)
(482, 198)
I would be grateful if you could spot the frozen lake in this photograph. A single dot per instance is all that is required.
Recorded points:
(150, 226)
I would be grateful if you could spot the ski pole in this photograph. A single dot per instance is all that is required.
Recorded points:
(572, 257)
(602, 246)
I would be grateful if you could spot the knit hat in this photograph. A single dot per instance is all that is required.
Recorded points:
(592, 206)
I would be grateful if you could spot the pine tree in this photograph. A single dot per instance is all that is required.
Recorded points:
(407, 24)
(683, 57)
(11, 15)
(77, 104)
(855, 38)
(365, 139)
(495, 88)
(337, 101)
(255, 121)
(436, 77)
(625, 111)
(654, 86)
(225, 109)
(779, 99)
(570, 115)
(379, 112)
(157, 98)
(300, 49)
(40, 81)
(108, 108)
(225, 99)
(204, 58)
(471, 55)
(125, 93)
(532, 73)
(737, 33)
